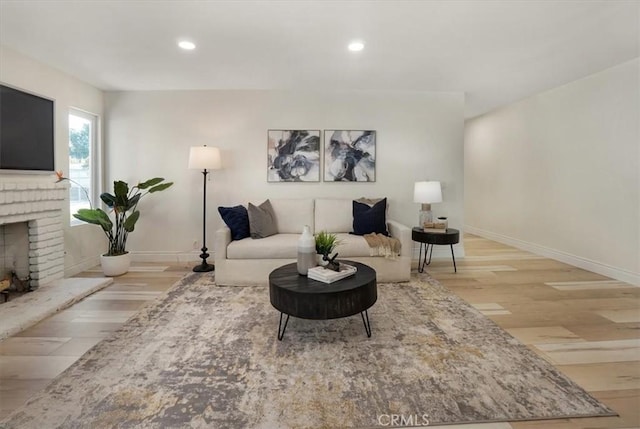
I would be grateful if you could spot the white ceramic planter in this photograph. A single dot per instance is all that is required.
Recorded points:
(321, 261)
(113, 266)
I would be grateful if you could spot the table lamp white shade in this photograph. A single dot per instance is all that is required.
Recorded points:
(204, 158)
(427, 192)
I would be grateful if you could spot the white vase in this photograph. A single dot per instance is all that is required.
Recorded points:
(113, 266)
(306, 251)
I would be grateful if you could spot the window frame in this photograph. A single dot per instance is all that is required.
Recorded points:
(95, 158)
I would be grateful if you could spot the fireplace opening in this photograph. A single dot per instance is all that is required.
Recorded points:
(15, 277)
(12, 285)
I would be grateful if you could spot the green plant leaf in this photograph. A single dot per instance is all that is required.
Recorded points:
(326, 242)
(159, 188)
(108, 199)
(151, 182)
(130, 223)
(121, 189)
(133, 201)
(96, 217)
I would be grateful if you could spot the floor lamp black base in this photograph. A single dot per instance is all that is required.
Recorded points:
(203, 268)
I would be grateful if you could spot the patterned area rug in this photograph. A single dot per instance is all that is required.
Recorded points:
(208, 357)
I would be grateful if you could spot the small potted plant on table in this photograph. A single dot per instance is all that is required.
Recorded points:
(325, 244)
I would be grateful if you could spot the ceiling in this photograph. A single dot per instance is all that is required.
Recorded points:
(497, 52)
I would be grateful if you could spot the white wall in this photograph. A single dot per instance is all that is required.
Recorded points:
(83, 243)
(419, 136)
(558, 173)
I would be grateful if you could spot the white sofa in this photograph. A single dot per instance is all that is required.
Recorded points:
(249, 261)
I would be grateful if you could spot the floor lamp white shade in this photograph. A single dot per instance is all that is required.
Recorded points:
(205, 158)
(426, 193)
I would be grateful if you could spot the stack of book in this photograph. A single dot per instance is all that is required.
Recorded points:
(326, 275)
(437, 227)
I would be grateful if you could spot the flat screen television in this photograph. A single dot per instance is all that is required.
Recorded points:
(26, 131)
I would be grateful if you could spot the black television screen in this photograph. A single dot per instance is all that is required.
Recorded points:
(26, 131)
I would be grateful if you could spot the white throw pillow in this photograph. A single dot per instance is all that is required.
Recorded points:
(334, 215)
(293, 214)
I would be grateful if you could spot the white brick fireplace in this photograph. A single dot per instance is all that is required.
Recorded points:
(39, 206)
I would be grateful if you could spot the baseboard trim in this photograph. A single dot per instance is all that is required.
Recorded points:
(144, 256)
(168, 256)
(567, 258)
(81, 266)
(441, 251)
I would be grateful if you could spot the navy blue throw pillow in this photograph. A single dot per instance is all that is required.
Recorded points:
(368, 219)
(237, 219)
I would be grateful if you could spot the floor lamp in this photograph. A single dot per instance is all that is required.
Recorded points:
(204, 158)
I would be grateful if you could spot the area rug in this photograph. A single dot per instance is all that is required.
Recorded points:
(208, 357)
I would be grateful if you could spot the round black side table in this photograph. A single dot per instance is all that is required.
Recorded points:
(299, 296)
(429, 239)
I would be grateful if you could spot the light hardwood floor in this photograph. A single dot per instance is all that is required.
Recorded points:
(586, 325)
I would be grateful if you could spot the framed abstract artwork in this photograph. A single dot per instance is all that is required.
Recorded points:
(349, 156)
(293, 156)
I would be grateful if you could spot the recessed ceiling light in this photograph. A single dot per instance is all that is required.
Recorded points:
(186, 45)
(356, 46)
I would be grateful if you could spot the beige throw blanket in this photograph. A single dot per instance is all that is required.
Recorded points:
(381, 245)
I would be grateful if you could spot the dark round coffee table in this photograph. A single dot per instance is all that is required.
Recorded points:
(299, 296)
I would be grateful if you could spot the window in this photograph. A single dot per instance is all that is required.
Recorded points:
(83, 161)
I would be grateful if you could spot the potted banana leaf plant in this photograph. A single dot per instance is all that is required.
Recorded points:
(124, 208)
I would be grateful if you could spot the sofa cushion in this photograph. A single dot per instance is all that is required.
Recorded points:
(285, 246)
(262, 222)
(351, 246)
(293, 214)
(333, 215)
(278, 246)
(237, 219)
(368, 219)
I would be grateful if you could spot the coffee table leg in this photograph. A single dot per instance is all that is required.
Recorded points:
(367, 324)
(283, 328)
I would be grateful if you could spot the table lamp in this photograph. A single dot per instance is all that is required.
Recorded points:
(426, 193)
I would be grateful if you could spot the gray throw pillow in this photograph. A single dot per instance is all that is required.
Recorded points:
(262, 220)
